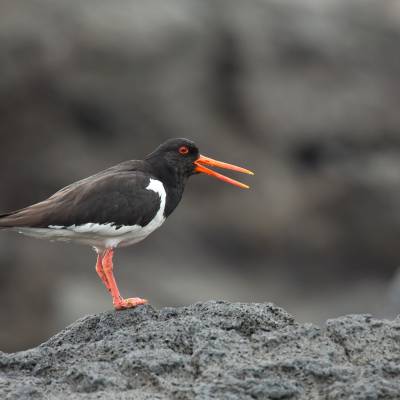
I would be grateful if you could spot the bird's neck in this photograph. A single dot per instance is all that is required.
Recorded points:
(174, 183)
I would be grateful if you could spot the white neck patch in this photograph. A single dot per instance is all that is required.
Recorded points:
(157, 187)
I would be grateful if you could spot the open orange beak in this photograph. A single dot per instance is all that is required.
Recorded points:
(202, 160)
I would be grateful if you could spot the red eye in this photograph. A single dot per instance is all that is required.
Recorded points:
(183, 150)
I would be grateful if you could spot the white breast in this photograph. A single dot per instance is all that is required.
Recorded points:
(104, 235)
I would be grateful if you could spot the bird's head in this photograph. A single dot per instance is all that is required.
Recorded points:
(183, 157)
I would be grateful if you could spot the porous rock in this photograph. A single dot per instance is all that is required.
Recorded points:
(212, 350)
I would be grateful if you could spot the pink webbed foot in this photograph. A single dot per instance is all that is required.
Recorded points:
(123, 304)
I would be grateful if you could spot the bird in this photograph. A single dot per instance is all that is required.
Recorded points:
(119, 206)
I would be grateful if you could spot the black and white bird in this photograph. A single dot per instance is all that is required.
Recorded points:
(119, 206)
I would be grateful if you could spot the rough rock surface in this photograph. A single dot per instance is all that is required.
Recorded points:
(212, 350)
(306, 93)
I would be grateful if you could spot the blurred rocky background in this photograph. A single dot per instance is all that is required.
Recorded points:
(306, 93)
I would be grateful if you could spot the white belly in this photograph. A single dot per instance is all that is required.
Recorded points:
(106, 235)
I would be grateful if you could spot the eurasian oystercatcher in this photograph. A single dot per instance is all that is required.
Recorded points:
(119, 206)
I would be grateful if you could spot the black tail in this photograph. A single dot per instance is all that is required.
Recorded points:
(3, 220)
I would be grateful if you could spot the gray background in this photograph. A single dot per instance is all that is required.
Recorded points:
(305, 93)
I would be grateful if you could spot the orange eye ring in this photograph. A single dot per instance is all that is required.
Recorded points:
(183, 150)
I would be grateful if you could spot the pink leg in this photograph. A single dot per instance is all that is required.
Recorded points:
(100, 271)
(119, 302)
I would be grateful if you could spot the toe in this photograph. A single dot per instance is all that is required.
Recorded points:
(129, 303)
(136, 301)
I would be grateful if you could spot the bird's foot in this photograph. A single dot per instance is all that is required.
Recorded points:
(123, 304)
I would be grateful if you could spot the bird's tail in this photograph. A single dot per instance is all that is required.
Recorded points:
(24, 217)
(4, 222)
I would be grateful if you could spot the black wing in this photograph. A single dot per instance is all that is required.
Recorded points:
(117, 195)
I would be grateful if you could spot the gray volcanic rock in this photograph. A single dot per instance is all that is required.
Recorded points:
(212, 350)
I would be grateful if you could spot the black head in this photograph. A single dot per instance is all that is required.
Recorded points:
(175, 156)
(176, 159)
